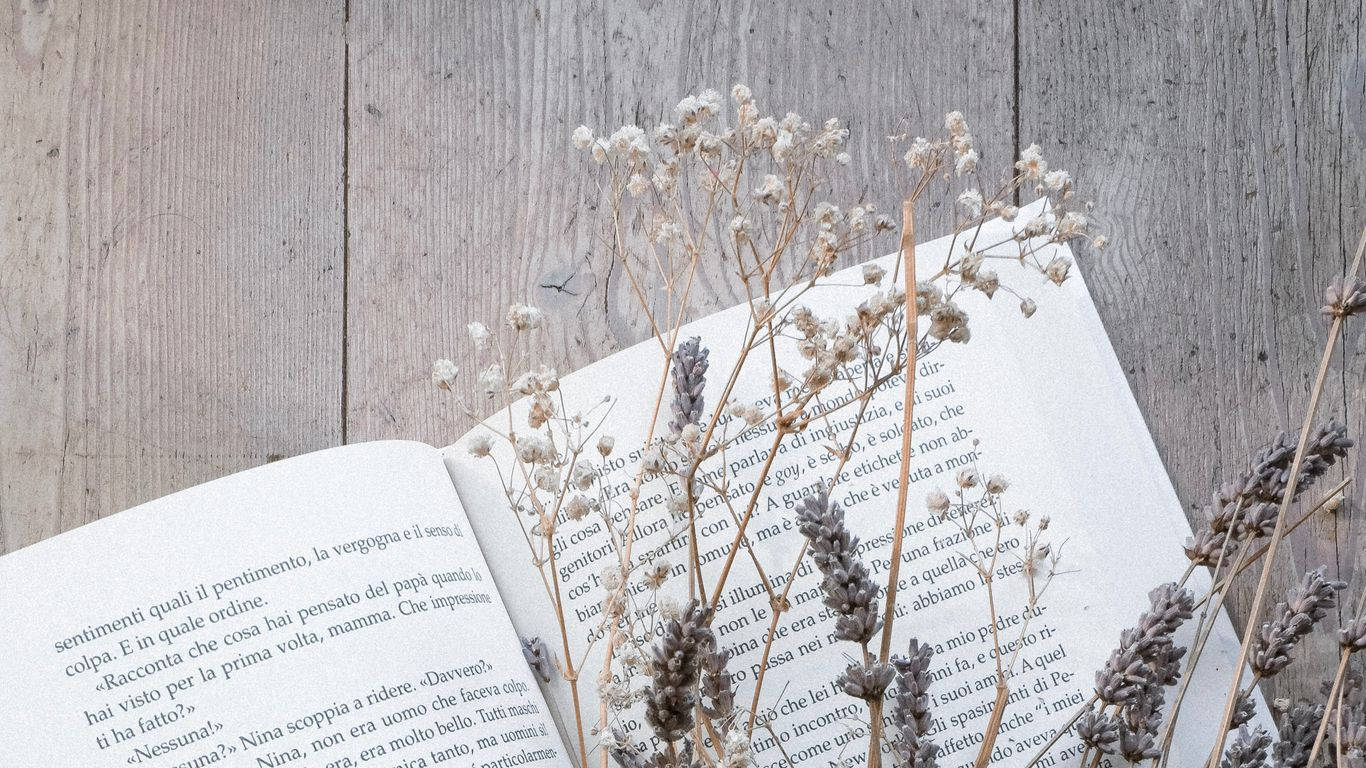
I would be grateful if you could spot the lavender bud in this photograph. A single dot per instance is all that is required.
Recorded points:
(1248, 749)
(1297, 733)
(690, 377)
(1098, 731)
(674, 673)
(867, 681)
(1303, 607)
(537, 656)
(849, 590)
(911, 709)
(1353, 635)
(718, 695)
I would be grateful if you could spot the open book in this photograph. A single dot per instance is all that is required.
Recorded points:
(362, 606)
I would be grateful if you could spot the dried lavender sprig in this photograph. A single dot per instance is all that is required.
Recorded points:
(867, 680)
(1146, 657)
(718, 693)
(690, 377)
(1344, 298)
(1352, 636)
(849, 590)
(1248, 749)
(911, 747)
(1297, 734)
(1249, 506)
(1098, 731)
(674, 668)
(1296, 616)
(537, 655)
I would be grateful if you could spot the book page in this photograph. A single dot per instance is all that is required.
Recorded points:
(1040, 400)
(327, 610)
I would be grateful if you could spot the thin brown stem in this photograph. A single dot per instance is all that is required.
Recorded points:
(1292, 485)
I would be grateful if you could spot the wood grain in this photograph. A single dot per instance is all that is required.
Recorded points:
(1219, 149)
(171, 249)
(179, 299)
(468, 195)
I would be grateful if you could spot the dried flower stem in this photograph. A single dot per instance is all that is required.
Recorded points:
(907, 417)
(1334, 693)
(1292, 484)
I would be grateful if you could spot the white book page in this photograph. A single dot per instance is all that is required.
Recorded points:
(1050, 408)
(327, 610)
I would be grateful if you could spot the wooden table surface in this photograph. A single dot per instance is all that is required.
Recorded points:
(238, 231)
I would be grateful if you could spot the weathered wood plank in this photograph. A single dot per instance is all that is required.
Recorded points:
(1232, 182)
(467, 194)
(171, 252)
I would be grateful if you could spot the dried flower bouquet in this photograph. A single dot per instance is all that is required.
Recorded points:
(652, 672)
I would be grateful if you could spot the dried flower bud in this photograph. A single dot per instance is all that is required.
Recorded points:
(444, 374)
(605, 445)
(937, 502)
(582, 137)
(911, 709)
(480, 445)
(1031, 162)
(1352, 636)
(1028, 307)
(690, 378)
(997, 484)
(522, 317)
(1345, 297)
(1248, 749)
(537, 656)
(967, 478)
(867, 681)
(479, 334)
(873, 274)
(1056, 270)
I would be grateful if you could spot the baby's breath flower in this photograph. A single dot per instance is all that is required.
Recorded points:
(1028, 307)
(1100, 242)
(523, 317)
(873, 273)
(918, 156)
(1031, 162)
(967, 478)
(479, 334)
(534, 449)
(492, 380)
(997, 483)
(1057, 269)
(605, 445)
(843, 158)
(583, 137)
(966, 162)
(741, 93)
(1057, 180)
(637, 185)
(444, 373)
(480, 445)
(987, 282)
(577, 508)
(771, 191)
(971, 200)
(937, 502)
(1009, 212)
